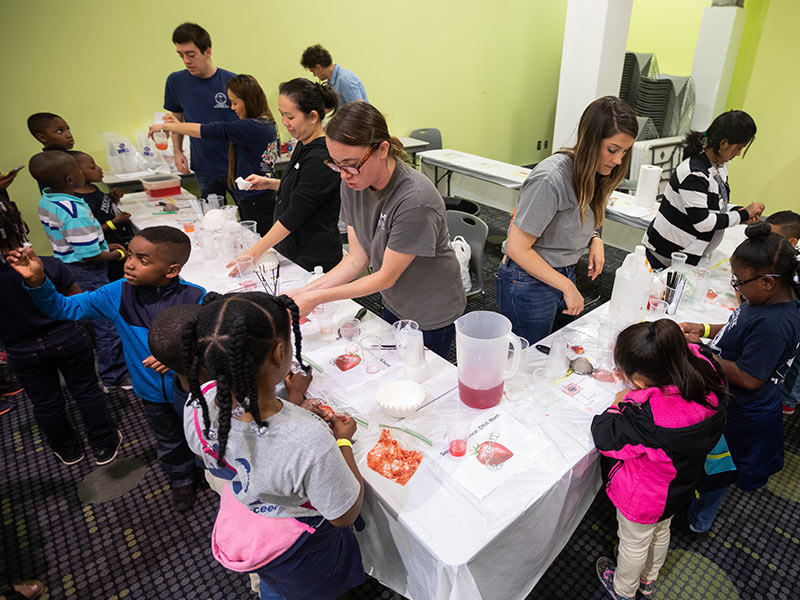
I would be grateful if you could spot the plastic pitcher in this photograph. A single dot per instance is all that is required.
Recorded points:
(482, 340)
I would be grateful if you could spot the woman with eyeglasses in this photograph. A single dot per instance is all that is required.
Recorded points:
(755, 350)
(396, 225)
(696, 209)
(306, 218)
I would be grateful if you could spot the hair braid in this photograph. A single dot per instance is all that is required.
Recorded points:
(289, 304)
(245, 385)
(192, 358)
(225, 405)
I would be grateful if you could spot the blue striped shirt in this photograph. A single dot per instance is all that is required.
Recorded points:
(72, 229)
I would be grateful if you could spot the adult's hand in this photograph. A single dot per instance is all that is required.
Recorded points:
(263, 183)
(597, 257)
(306, 301)
(180, 162)
(754, 209)
(574, 300)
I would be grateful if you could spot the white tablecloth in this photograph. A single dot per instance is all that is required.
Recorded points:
(433, 539)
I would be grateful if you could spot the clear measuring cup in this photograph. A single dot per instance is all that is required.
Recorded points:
(482, 352)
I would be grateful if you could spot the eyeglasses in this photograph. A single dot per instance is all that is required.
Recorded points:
(347, 168)
(737, 283)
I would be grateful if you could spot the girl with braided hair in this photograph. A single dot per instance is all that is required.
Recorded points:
(288, 468)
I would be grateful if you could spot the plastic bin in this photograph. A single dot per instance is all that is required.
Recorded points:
(160, 186)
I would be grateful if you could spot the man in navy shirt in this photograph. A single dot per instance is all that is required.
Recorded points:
(198, 94)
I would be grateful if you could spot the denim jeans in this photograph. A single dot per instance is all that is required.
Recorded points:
(533, 307)
(703, 510)
(212, 185)
(110, 361)
(176, 459)
(36, 363)
(438, 340)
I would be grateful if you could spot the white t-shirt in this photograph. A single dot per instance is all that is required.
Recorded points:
(291, 462)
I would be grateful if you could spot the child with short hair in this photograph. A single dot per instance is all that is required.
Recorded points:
(77, 239)
(152, 283)
(39, 348)
(116, 224)
(659, 431)
(754, 349)
(51, 130)
(287, 466)
(787, 224)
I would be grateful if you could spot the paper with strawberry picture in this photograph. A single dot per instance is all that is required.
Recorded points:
(342, 362)
(498, 446)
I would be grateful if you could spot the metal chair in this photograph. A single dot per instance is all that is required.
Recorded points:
(475, 231)
(431, 135)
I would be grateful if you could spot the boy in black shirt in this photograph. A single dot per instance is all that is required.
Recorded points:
(117, 226)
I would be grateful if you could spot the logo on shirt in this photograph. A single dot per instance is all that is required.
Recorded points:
(382, 221)
(221, 100)
(236, 486)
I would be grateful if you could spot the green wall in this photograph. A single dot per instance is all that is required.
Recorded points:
(486, 74)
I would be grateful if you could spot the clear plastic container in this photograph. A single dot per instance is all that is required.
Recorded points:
(160, 186)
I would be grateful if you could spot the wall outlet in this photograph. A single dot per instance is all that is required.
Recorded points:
(545, 144)
(539, 145)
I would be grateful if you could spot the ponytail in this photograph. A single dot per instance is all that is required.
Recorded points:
(733, 126)
(765, 251)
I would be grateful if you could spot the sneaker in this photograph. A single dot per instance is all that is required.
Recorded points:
(70, 457)
(605, 571)
(788, 411)
(646, 589)
(103, 456)
(183, 497)
(694, 530)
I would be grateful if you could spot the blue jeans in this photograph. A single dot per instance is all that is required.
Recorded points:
(173, 452)
(438, 340)
(110, 361)
(703, 510)
(36, 362)
(212, 185)
(267, 593)
(533, 307)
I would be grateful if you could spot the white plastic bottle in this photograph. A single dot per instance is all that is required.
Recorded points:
(632, 284)
(316, 274)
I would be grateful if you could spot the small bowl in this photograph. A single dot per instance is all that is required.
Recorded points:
(401, 398)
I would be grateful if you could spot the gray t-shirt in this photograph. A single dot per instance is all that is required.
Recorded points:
(548, 209)
(294, 461)
(408, 216)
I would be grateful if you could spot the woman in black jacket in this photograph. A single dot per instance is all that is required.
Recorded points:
(306, 227)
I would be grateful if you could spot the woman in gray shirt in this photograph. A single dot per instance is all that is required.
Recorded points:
(395, 224)
(561, 205)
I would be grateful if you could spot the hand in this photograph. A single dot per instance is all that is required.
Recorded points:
(151, 363)
(343, 430)
(180, 162)
(27, 264)
(297, 384)
(7, 179)
(263, 183)
(307, 301)
(121, 218)
(115, 247)
(597, 257)
(169, 118)
(692, 331)
(754, 209)
(573, 299)
(235, 270)
(620, 397)
(116, 194)
(155, 128)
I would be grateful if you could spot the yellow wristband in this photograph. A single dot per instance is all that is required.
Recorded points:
(706, 330)
(344, 442)
(111, 225)
(121, 253)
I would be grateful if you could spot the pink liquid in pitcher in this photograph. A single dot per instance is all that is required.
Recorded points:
(458, 448)
(480, 398)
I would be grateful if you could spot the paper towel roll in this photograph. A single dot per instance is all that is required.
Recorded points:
(647, 186)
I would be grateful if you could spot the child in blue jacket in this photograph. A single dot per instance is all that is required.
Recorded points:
(151, 284)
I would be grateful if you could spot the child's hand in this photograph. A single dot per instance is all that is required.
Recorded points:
(27, 264)
(692, 331)
(121, 218)
(297, 384)
(116, 194)
(620, 397)
(343, 429)
(151, 363)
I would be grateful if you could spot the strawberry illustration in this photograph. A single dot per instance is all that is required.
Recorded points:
(491, 454)
(345, 362)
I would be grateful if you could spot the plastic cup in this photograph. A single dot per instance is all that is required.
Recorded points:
(678, 260)
(188, 225)
(457, 434)
(323, 315)
(160, 139)
(656, 308)
(208, 244)
(701, 278)
(249, 225)
(350, 329)
(244, 272)
(371, 353)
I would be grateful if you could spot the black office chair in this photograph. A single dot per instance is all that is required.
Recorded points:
(475, 231)
(431, 135)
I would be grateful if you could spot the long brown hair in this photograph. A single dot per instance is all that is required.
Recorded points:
(603, 118)
(249, 91)
(361, 124)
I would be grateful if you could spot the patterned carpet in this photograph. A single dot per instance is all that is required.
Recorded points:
(110, 533)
